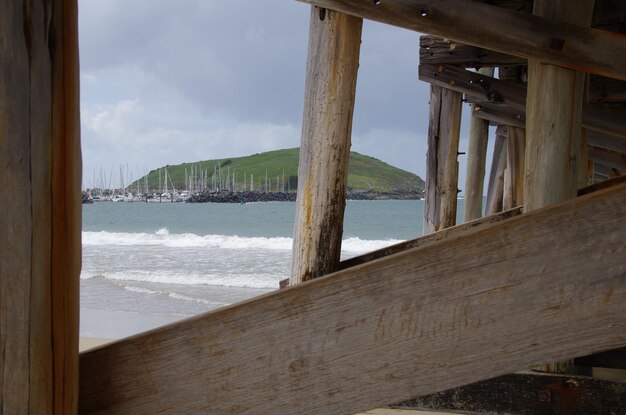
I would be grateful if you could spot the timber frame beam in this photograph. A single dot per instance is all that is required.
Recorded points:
(474, 306)
(532, 37)
(505, 102)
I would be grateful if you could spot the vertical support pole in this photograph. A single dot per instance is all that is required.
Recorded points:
(554, 116)
(514, 173)
(553, 123)
(444, 126)
(584, 165)
(332, 65)
(591, 167)
(496, 176)
(40, 226)
(476, 158)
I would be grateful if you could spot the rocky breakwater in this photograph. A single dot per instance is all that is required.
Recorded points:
(246, 197)
(242, 197)
(395, 195)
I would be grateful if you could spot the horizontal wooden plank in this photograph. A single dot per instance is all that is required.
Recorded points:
(435, 50)
(500, 115)
(481, 305)
(607, 141)
(504, 103)
(530, 393)
(499, 29)
(608, 158)
(483, 87)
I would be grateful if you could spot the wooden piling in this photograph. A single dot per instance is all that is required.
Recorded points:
(333, 60)
(476, 157)
(514, 173)
(554, 107)
(444, 127)
(496, 176)
(40, 223)
(554, 116)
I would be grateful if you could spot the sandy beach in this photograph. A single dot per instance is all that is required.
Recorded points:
(98, 327)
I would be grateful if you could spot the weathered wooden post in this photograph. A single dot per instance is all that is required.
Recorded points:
(514, 173)
(496, 176)
(40, 224)
(332, 65)
(554, 116)
(444, 127)
(476, 158)
(553, 122)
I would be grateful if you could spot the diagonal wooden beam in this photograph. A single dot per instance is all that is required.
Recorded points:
(544, 286)
(589, 50)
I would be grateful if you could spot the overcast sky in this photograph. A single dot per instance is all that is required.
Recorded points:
(166, 82)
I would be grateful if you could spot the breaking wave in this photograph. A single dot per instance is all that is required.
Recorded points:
(162, 237)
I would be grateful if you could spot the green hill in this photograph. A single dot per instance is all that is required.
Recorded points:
(281, 166)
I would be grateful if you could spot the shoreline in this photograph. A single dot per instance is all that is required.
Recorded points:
(88, 343)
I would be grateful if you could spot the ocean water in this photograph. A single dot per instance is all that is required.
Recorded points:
(183, 259)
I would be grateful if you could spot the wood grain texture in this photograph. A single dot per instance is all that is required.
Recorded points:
(332, 65)
(495, 192)
(514, 173)
(38, 359)
(444, 126)
(480, 85)
(67, 208)
(554, 106)
(16, 223)
(544, 286)
(554, 117)
(435, 50)
(476, 160)
(498, 29)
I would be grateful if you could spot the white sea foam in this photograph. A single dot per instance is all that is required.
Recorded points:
(196, 300)
(140, 290)
(358, 245)
(255, 280)
(185, 240)
(162, 237)
(174, 295)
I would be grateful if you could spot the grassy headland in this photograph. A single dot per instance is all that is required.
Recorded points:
(366, 174)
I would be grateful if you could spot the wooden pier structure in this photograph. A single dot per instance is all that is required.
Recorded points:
(442, 321)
